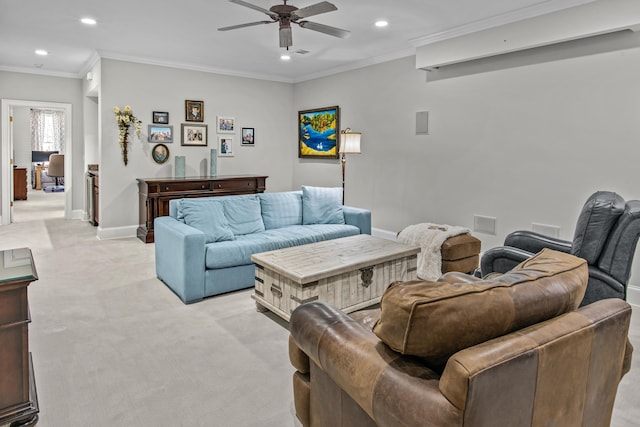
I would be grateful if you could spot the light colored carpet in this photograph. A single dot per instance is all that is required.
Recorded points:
(112, 346)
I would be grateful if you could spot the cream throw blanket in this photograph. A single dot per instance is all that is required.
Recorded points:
(430, 238)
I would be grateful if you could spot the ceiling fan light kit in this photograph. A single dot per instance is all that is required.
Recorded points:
(286, 14)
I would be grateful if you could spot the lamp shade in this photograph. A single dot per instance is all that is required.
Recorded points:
(350, 142)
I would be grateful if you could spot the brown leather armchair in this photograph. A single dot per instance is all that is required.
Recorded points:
(424, 359)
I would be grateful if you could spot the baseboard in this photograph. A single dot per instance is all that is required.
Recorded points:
(117, 232)
(384, 234)
(78, 214)
(633, 295)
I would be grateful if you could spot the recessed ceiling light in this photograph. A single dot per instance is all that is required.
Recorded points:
(285, 57)
(381, 23)
(88, 21)
(41, 52)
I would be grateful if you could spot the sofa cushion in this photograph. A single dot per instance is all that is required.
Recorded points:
(281, 209)
(243, 214)
(207, 216)
(239, 251)
(322, 205)
(434, 320)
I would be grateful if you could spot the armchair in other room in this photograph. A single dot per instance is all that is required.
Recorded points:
(606, 236)
(56, 170)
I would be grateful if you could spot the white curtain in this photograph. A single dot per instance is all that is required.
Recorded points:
(47, 130)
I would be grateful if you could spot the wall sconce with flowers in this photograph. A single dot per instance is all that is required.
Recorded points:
(125, 119)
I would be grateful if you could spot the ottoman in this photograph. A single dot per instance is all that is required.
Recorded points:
(460, 253)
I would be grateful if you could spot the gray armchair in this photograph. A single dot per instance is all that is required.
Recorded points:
(606, 236)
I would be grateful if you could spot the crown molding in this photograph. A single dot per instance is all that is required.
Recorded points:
(358, 64)
(193, 67)
(40, 72)
(533, 11)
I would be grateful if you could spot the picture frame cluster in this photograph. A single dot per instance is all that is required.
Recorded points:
(194, 132)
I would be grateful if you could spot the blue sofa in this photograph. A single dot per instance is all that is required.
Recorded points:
(204, 247)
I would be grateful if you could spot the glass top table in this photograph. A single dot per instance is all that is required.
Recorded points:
(17, 264)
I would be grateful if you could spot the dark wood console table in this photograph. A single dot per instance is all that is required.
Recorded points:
(18, 397)
(155, 194)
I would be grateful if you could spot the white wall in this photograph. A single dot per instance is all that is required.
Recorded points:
(91, 92)
(265, 106)
(22, 139)
(524, 144)
(32, 87)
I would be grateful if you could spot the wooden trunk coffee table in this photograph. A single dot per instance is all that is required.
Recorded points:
(349, 273)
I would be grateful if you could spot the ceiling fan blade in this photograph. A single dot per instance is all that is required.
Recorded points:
(286, 38)
(326, 29)
(254, 7)
(314, 9)
(250, 24)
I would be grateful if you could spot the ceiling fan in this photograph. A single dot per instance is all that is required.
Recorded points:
(285, 15)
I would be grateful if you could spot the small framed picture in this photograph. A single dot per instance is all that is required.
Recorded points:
(248, 137)
(226, 125)
(160, 153)
(159, 133)
(225, 146)
(161, 117)
(194, 135)
(194, 111)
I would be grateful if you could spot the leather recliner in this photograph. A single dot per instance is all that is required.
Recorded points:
(545, 362)
(606, 236)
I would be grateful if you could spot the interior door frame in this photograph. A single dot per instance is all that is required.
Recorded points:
(6, 168)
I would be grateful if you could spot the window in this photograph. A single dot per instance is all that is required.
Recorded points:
(47, 130)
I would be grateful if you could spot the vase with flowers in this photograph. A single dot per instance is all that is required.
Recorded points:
(125, 119)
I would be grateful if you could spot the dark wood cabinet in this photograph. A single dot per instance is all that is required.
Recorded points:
(19, 183)
(155, 194)
(18, 397)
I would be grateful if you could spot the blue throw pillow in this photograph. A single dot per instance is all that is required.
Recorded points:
(244, 215)
(322, 205)
(281, 209)
(207, 216)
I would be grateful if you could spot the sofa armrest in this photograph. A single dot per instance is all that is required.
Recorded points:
(502, 259)
(535, 242)
(180, 251)
(535, 361)
(392, 389)
(361, 218)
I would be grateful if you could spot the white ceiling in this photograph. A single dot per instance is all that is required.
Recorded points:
(184, 33)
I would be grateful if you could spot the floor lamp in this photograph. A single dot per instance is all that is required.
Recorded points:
(349, 144)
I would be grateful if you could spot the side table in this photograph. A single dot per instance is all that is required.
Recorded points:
(18, 397)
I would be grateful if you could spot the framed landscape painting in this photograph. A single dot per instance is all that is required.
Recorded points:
(318, 131)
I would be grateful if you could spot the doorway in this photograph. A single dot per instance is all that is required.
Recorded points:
(6, 166)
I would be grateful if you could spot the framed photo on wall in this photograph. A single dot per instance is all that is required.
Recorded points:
(160, 153)
(225, 146)
(248, 137)
(318, 132)
(226, 125)
(160, 117)
(194, 111)
(195, 135)
(159, 133)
